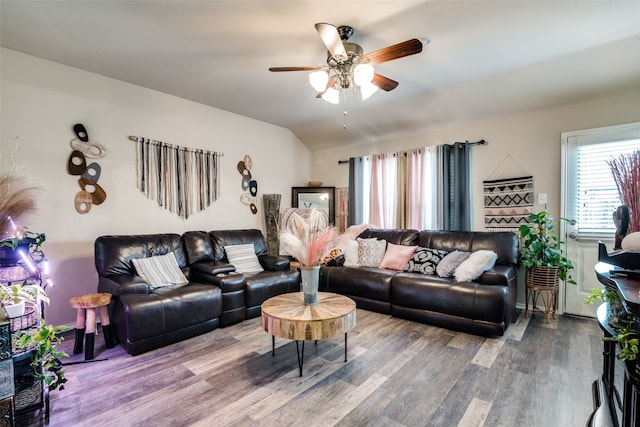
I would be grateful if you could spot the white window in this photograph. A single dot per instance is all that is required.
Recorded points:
(591, 181)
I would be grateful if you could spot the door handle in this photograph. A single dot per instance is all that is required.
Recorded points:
(573, 235)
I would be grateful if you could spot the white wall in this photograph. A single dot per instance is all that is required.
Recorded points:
(42, 100)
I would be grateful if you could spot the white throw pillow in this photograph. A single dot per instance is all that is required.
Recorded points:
(243, 258)
(159, 271)
(351, 253)
(477, 263)
(371, 251)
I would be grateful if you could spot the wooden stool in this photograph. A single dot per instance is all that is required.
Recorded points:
(86, 318)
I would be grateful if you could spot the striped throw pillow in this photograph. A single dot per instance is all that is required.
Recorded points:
(159, 271)
(243, 258)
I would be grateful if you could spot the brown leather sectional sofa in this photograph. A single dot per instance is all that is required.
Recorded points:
(145, 319)
(485, 306)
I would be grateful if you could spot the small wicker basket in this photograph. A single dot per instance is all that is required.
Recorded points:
(542, 277)
(27, 320)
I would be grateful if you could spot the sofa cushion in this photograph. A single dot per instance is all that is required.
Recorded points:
(396, 257)
(504, 243)
(113, 254)
(243, 258)
(451, 261)
(397, 236)
(371, 251)
(159, 271)
(222, 238)
(425, 261)
(476, 264)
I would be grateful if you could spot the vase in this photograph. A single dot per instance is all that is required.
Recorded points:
(15, 310)
(310, 279)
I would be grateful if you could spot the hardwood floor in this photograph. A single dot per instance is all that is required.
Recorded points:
(399, 373)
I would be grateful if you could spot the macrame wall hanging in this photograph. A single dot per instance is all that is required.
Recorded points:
(180, 179)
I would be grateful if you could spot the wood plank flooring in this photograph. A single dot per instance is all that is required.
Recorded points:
(399, 373)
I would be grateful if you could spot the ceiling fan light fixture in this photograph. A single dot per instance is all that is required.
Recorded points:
(367, 89)
(318, 80)
(331, 95)
(363, 74)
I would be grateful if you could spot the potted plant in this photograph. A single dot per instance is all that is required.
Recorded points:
(541, 253)
(627, 337)
(16, 297)
(27, 243)
(40, 344)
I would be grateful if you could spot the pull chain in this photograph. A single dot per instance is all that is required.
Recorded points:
(344, 115)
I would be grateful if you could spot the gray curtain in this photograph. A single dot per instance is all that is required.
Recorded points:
(356, 202)
(454, 191)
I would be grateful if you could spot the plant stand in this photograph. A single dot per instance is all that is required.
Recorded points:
(542, 282)
(30, 394)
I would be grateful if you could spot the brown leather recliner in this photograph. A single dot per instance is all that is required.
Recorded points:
(206, 256)
(215, 295)
(143, 318)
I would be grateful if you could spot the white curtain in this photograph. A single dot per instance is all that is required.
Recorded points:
(382, 205)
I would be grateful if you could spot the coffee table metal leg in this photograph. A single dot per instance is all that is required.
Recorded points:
(345, 346)
(273, 345)
(300, 356)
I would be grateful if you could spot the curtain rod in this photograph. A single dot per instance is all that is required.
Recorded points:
(481, 142)
(178, 147)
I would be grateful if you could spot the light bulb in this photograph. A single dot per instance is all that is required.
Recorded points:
(367, 89)
(318, 80)
(362, 74)
(331, 95)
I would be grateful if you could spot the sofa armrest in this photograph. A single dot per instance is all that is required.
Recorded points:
(498, 275)
(205, 271)
(123, 284)
(274, 263)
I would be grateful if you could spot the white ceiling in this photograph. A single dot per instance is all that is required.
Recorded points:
(485, 58)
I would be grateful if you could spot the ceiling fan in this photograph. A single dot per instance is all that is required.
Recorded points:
(348, 67)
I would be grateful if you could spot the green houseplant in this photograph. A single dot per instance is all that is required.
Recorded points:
(540, 246)
(21, 295)
(42, 342)
(16, 296)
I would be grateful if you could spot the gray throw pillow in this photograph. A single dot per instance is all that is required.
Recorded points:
(450, 262)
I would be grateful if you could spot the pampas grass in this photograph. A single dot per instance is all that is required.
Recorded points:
(18, 200)
(307, 241)
(626, 173)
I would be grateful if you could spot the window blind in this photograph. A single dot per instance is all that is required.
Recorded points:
(597, 194)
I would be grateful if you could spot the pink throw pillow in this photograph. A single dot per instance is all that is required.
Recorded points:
(397, 256)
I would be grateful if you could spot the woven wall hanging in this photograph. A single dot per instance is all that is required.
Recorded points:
(180, 179)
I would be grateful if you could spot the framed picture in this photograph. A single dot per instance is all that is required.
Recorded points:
(315, 197)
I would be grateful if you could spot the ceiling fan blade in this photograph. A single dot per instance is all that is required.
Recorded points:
(384, 83)
(400, 50)
(276, 69)
(331, 39)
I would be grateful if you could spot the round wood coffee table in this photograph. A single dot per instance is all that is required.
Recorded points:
(286, 316)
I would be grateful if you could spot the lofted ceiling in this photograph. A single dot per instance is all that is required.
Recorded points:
(485, 58)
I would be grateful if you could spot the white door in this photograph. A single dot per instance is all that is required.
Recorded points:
(589, 197)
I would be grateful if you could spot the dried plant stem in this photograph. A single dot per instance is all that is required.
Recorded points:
(626, 174)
